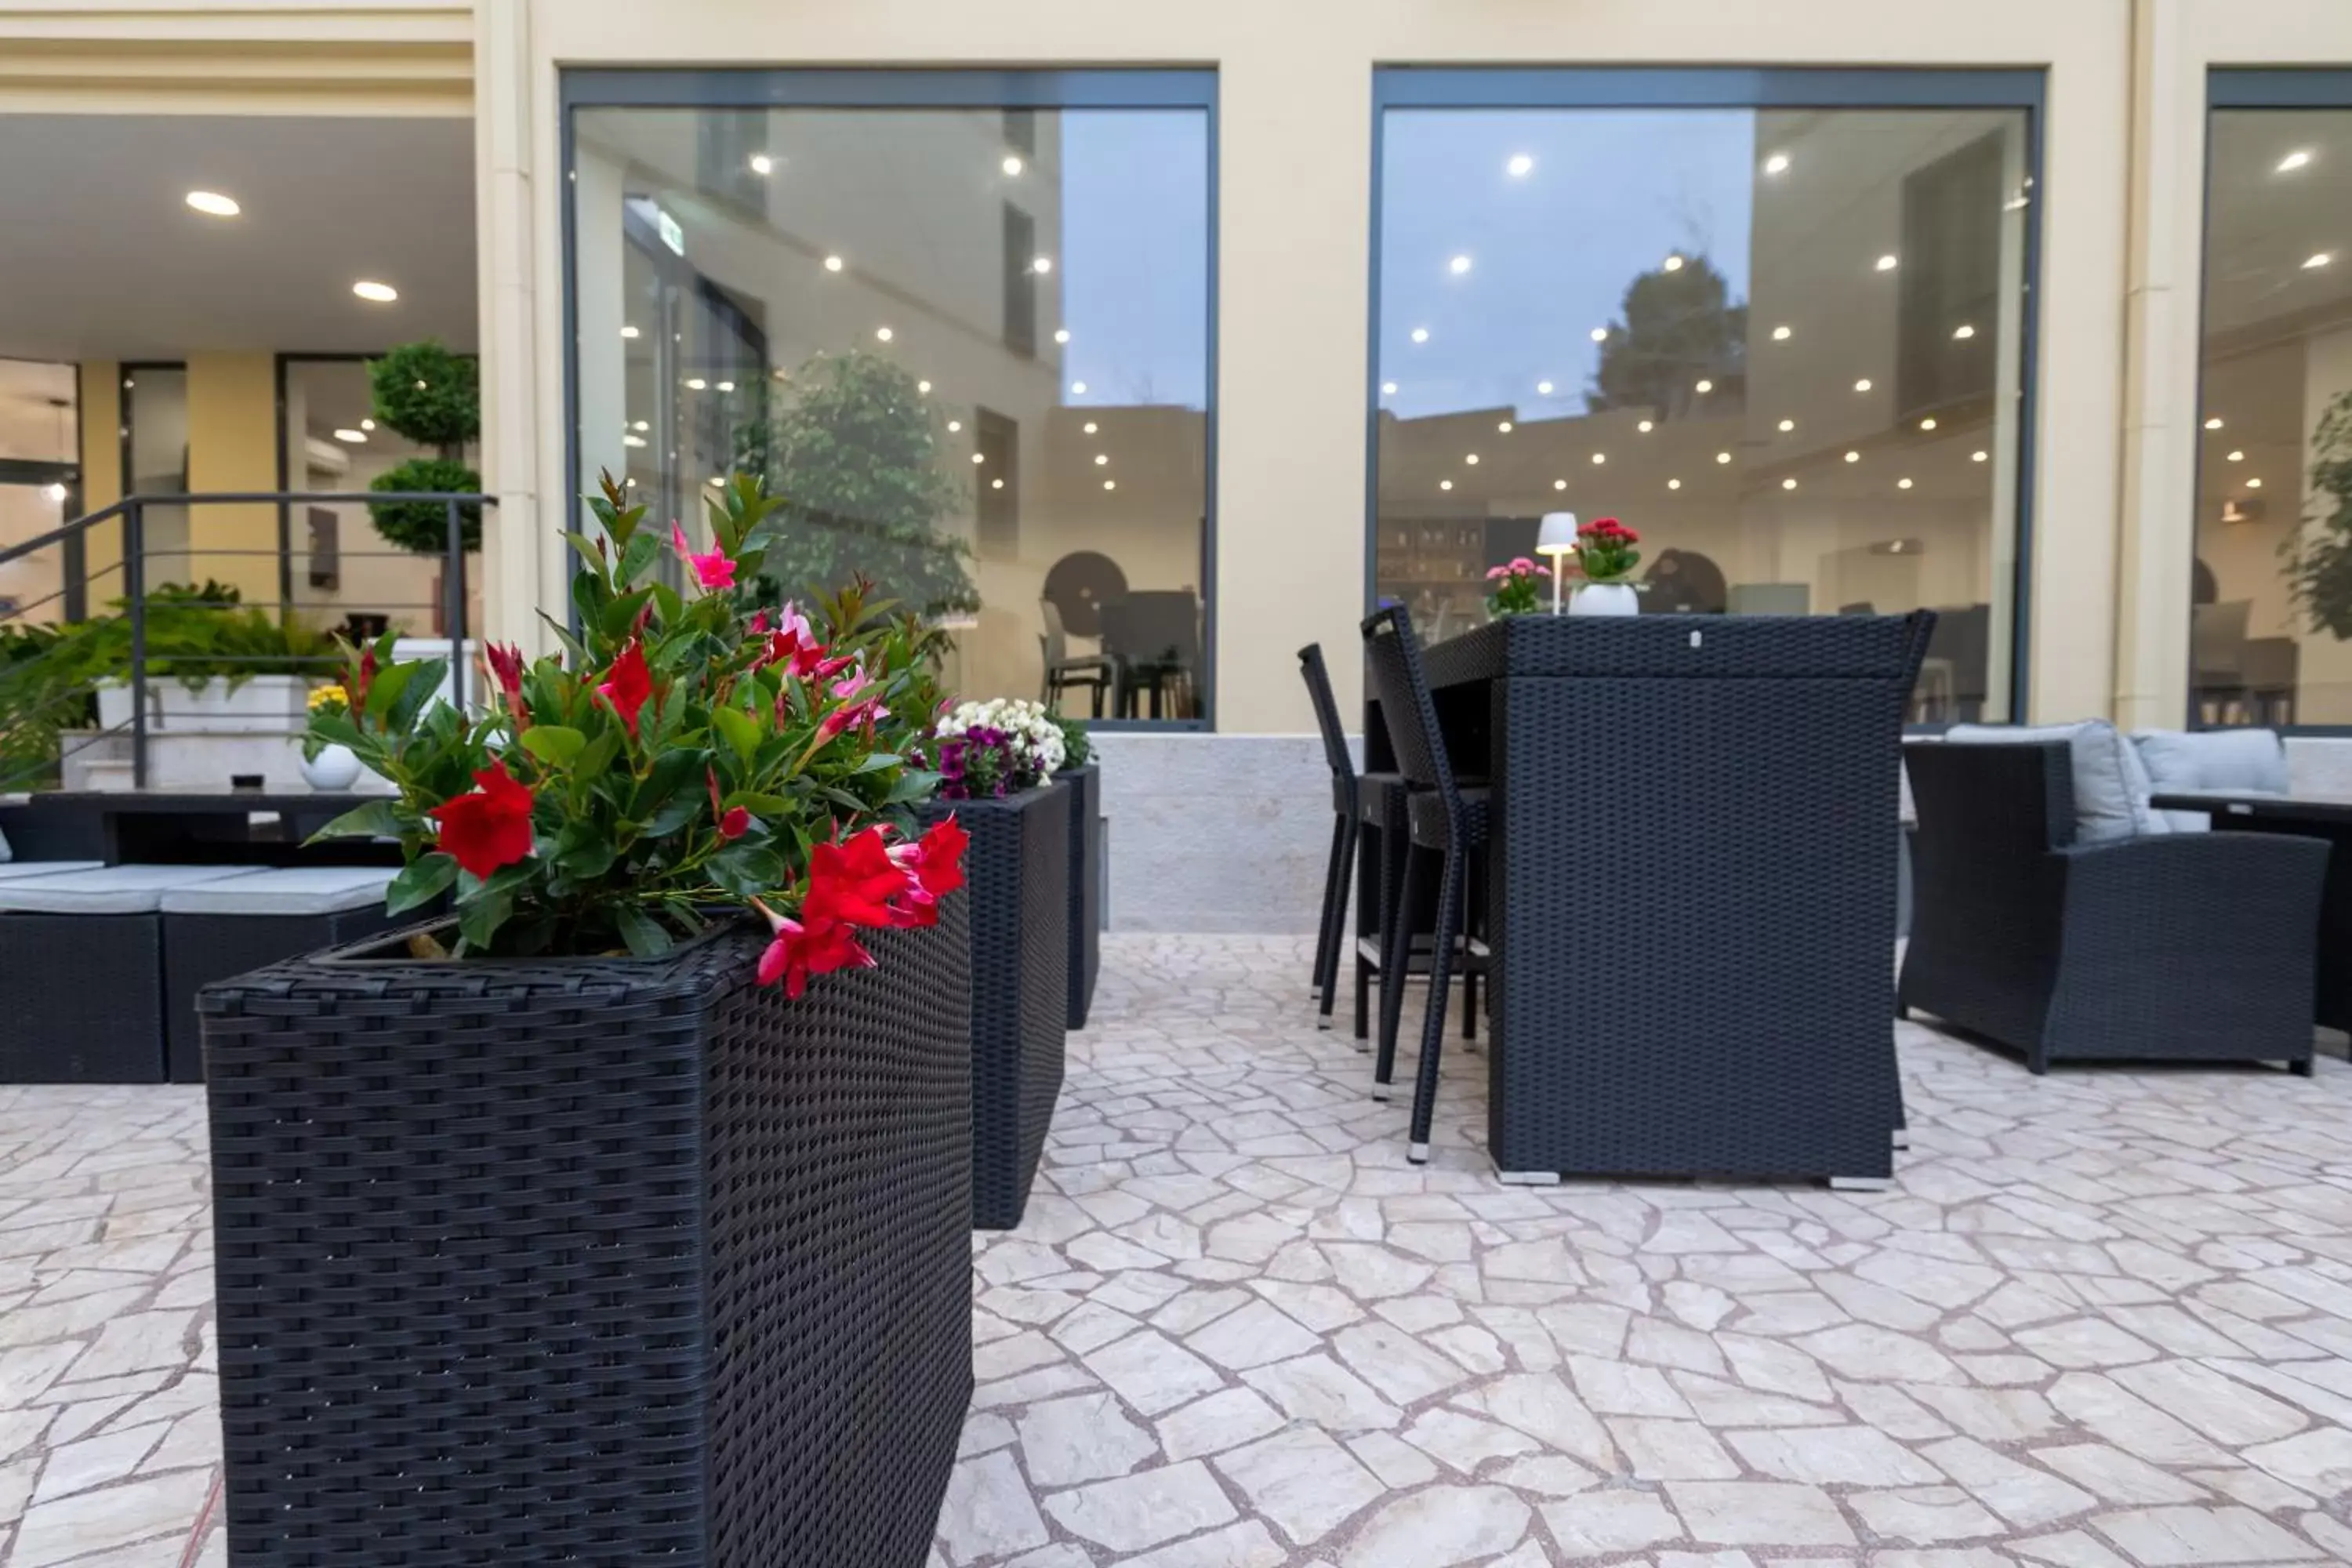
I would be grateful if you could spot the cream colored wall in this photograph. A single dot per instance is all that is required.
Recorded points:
(233, 446)
(1294, 164)
(2175, 44)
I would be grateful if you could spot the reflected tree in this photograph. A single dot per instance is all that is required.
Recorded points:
(2319, 555)
(1676, 328)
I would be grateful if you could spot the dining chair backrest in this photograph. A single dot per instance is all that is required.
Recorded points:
(1392, 659)
(1057, 638)
(1327, 711)
(2216, 639)
(1154, 625)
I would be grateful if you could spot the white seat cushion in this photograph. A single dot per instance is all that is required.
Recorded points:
(111, 890)
(6, 854)
(2239, 762)
(298, 890)
(16, 870)
(2111, 783)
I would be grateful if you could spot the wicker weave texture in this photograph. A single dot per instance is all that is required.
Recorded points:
(1017, 868)
(1086, 887)
(202, 949)
(1694, 979)
(1739, 647)
(93, 1012)
(597, 1262)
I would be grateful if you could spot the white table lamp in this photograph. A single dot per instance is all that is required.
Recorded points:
(1557, 541)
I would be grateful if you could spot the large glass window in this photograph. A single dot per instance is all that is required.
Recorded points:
(966, 339)
(40, 482)
(2271, 610)
(1786, 344)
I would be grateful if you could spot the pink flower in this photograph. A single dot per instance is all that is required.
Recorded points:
(505, 666)
(1522, 564)
(713, 571)
(851, 717)
(1496, 573)
(628, 684)
(759, 627)
(850, 685)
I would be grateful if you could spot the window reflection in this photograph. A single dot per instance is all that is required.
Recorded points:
(968, 347)
(1784, 345)
(2272, 585)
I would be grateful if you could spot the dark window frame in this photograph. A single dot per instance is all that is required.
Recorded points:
(2277, 88)
(864, 88)
(1674, 87)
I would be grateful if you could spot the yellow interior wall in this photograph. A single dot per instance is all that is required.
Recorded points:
(100, 418)
(233, 446)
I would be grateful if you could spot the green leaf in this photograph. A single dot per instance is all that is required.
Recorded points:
(554, 744)
(478, 919)
(337, 728)
(641, 931)
(639, 554)
(738, 729)
(600, 753)
(424, 690)
(617, 618)
(389, 684)
(875, 762)
(675, 814)
(376, 819)
(912, 788)
(420, 882)
(758, 804)
(585, 548)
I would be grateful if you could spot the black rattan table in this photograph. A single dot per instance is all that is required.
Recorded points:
(1691, 900)
(2302, 816)
(184, 825)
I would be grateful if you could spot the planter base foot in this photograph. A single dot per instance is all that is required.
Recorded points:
(1529, 1178)
(1381, 1093)
(1902, 1137)
(1323, 1023)
(1417, 1152)
(1862, 1183)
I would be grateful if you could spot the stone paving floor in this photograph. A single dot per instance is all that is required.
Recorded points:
(2105, 1318)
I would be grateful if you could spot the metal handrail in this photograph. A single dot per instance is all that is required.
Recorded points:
(132, 510)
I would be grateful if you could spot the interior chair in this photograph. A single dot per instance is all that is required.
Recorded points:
(1153, 638)
(2217, 643)
(1357, 800)
(2129, 945)
(1093, 671)
(1448, 823)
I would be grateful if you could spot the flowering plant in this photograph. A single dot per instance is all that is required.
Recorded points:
(1514, 593)
(998, 747)
(333, 702)
(677, 754)
(1605, 550)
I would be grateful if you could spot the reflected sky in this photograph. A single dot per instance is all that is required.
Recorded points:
(1135, 242)
(1602, 196)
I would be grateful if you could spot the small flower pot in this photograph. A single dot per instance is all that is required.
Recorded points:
(1605, 599)
(598, 1261)
(1018, 869)
(334, 768)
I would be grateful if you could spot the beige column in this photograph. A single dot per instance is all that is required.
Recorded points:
(504, 131)
(233, 446)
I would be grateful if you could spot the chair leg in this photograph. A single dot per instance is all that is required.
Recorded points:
(1433, 1029)
(1338, 922)
(1325, 936)
(1469, 1003)
(1396, 966)
(1363, 1002)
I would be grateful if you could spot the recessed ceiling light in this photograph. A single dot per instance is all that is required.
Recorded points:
(633, 440)
(1445, 484)
(1062, 336)
(1787, 426)
(718, 479)
(2254, 484)
(1471, 458)
(883, 334)
(2321, 259)
(1504, 427)
(1902, 484)
(212, 204)
(1078, 388)
(1928, 423)
(628, 331)
(1458, 266)
(996, 484)
(1888, 262)
(1672, 263)
(640, 424)
(1559, 484)
(1543, 389)
(1779, 334)
(1091, 427)
(1674, 484)
(1011, 165)
(726, 386)
(2298, 159)
(2237, 456)
(356, 438)
(1041, 265)
(2214, 423)
(1645, 426)
(1704, 387)
(1863, 385)
(375, 293)
(1852, 457)
(1723, 457)
(954, 425)
(1101, 459)
(1777, 164)
(696, 384)
(1789, 484)
(1979, 456)
(1520, 166)
(980, 457)
(55, 489)
(370, 424)
(1600, 334)
(834, 264)
(762, 165)
(1388, 389)
(1599, 457)
(1963, 333)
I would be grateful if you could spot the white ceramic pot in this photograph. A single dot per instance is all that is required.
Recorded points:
(1605, 599)
(334, 769)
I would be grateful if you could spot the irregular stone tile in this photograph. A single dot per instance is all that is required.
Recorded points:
(2025, 1497)
(1152, 1371)
(1542, 1405)
(1660, 1450)
(1319, 1389)
(2116, 1476)
(1395, 1363)
(1867, 1353)
(2318, 1461)
(1399, 1465)
(109, 1519)
(1253, 1336)
(1464, 1442)
(1924, 1516)
(1439, 1527)
(1244, 1545)
(1604, 1521)
(2129, 1421)
(1081, 1438)
(1615, 1388)
(1302, 1480)
(1759, 1513)
(1145, 1509)
(2169, 1537)
(1223, 1420)
(1834, 1456)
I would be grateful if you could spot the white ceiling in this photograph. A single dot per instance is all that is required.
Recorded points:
(104, 259)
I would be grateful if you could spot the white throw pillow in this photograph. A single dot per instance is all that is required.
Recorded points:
(2247, 762)
(5, 855)
(2111, 785)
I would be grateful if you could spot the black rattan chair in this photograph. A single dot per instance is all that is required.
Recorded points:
(1446, 825)
(2183, 946)
(1357, 800)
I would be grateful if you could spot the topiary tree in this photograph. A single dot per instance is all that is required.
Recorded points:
(432, 397)
(850, 447)
(1679, 327)
(2319, 555)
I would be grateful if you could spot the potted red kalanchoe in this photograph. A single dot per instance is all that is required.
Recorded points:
(594, 1177)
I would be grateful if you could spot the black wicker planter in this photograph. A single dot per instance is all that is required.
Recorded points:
(1017, 869)
(1086, 887)
(593, 1262)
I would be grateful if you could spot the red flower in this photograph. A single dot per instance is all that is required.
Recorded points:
(490, 826)
(732, 825)
(801, 950)
(796, 648)
(713, 571)
(854, 881)
(851, 717)
(506, 668)
(628, 684)
(934, 866)
(364, 680)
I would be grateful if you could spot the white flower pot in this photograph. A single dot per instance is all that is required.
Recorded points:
(1605, 599)
(334, 769)
(259, 705)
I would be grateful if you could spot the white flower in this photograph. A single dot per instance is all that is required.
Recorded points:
(1028, 724)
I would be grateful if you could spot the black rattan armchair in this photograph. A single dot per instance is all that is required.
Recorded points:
(1357, 800)
(2184, 947)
